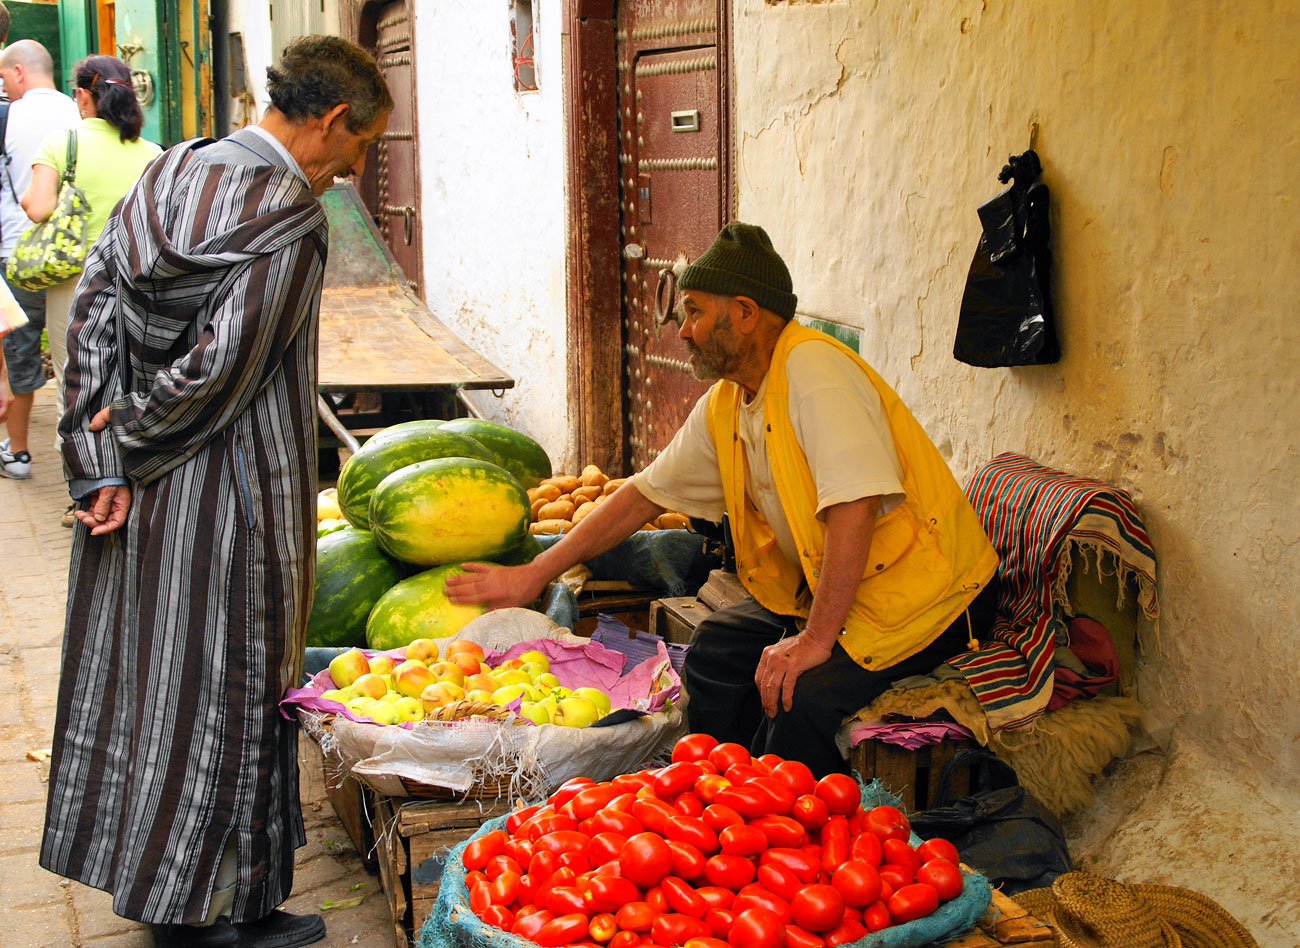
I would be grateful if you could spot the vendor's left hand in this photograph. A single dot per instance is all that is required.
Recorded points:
(781, 666)
(100, 420)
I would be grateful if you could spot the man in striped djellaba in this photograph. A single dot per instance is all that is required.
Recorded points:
(190, 447)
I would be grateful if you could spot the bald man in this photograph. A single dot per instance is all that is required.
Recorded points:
(36, 109)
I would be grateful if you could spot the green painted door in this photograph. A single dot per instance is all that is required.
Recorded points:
(141, 31)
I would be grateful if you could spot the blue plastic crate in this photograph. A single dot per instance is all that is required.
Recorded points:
(636, 645)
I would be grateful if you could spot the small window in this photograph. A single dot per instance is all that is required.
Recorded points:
(521, 44)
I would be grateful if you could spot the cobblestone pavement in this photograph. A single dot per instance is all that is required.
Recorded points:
(37, 908)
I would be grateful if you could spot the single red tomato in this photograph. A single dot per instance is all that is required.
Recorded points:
(625, 939)
(719, 816)
(500, 916)
(899, 853)
(897, 876)
(602, 927)
(796, 937)
(783, 832)
(846, 932)
(730, 872)
(796, 775)
(944, 876)
(622, 803)
(938, 848)
(565, 900)
(834, 836)
(676, 779)
(747, 800)
(693, 747)
(635, 916)
(480, 897)
(519, 817)
(542, 825)
(704, 941)
(675, 928)
(645, 859)
(742, 840)
(839, 792)
(499, 864)
(876, 917)
(688, 804)
(858, 882)
(810, 811)
(777, 790)
(694, 831)
(707, 787)
(592, 800)
(658, 901)
(770, 761)
(631, 783)
(520, 850)
(866, 847)
(802, 863)
(688, 862)
(887, 822)
(724, 755)
(568, 790)
(755, 896)
(505, 888)
(683, 898)
(818, 908)
(757, 928)
(613, 821)
(562, 931)
(720, 921)
(542, 865)
(474, 877)
(653, 813)
(716, 896)
(526, 926)
(913, 901)
(743, 773)
(609, 893)
(479, 851)
(606, 846)
(527, 890)
(563, 841)
(779, 879)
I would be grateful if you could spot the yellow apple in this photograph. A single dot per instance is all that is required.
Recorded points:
(551, 706)
(510, 663)
(390, 697)
(576, 712)
(409, 709)
(539, 657)
(383, 664)
(559, 692)
(535, 712)
(412, 677)
(381, 712)
(336, 694)
(595, 696)
(422, 650)
(512, 676)
(447, 671)
(507, 693)
(468, 664)
(370, 685)
(439, 693)
(534, 670)
(481, 682)
(547, 682)
(463, 647)
(358, 705)
(480, 695)
(347, 667)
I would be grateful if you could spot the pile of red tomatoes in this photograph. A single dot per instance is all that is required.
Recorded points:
(717, 849)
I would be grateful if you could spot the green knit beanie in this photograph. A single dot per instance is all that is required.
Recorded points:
(741, 262)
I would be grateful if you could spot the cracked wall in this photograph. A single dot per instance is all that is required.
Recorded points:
(1167, 136)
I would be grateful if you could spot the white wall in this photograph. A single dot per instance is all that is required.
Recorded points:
(492, 204)
(867, 135)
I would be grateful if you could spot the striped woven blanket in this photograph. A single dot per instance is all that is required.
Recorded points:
(1037, 518)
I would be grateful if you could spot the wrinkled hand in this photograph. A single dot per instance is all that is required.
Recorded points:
(494, 587)
(780, 667)
(108, 507)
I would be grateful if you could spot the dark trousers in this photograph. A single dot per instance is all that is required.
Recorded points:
(724, 702)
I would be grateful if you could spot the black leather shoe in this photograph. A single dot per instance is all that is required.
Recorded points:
(280, 930)
(220, 934)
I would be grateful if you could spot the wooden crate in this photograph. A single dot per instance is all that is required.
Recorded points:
(411, 839)
(912, 776)
(675, 619)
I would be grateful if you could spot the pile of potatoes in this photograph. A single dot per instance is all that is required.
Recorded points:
(560, 501)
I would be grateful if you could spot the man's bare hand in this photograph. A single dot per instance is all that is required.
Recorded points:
(780, 667)
(494, 587)
(100, 420)
(108, 507)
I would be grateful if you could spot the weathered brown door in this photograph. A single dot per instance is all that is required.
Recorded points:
(397, 168)
(672, 195)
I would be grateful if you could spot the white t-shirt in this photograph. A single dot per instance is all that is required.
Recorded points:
(839, 423)
(31, 119)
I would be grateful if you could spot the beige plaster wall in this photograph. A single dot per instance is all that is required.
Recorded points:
(867, 135)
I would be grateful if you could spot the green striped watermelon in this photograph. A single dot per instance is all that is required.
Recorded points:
(448, 510)
(517, 453)
(415, 608)
(391, 450)
(351, 574)
(525, 551)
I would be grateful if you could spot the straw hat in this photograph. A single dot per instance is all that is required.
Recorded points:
(1089, 911)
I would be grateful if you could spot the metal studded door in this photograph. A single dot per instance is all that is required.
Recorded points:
(397, 159)
(672, 194)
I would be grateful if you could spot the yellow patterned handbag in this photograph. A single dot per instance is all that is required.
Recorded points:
(54, 249)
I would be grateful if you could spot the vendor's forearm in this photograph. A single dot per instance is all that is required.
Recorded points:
(849, 527)
(612, 522)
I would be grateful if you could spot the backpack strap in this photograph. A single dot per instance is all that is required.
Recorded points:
(4, 150)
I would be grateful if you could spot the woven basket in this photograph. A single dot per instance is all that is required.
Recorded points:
(484, 786)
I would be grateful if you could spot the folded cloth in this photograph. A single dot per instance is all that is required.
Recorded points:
(1036, 518)
(910, 734)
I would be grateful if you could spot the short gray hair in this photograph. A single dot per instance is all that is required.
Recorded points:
(316, 73)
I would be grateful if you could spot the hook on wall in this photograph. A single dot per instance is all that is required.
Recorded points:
(1033, 136)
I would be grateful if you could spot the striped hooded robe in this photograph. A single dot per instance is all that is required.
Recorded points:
(196, 321)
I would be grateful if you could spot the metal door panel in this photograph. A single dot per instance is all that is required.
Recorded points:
(397, 159)
(140, 46)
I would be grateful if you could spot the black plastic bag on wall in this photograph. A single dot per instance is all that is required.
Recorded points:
(1006, 311)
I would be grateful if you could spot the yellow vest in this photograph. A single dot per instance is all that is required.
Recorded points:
(929, 556)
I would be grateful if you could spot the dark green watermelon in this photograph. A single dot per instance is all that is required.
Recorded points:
(352, 573)
(516, 452)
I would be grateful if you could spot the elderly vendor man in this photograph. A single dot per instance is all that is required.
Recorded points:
(862, 559)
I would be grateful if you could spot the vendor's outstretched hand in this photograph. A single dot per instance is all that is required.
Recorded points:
(780, 667)
(494, 587)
